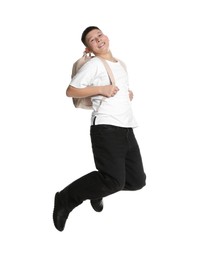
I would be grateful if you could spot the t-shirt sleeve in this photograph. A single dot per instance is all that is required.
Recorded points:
(84, 76)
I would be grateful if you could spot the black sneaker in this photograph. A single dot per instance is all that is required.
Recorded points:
(97, 204)
(60, 214)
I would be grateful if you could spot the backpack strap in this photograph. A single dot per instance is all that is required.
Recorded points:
(122, 64)
(108, 69)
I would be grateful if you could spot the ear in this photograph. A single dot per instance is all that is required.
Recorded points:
(87, 50)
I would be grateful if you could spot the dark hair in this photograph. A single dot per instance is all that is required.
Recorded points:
(86, 31)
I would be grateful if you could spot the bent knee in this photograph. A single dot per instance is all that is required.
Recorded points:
(141, 183)
(137, 185)
(140, 186)
(118, 185)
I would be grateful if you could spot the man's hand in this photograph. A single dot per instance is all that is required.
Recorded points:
(131, 95)
(109, 90)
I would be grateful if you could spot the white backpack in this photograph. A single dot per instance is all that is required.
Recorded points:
(86, 103)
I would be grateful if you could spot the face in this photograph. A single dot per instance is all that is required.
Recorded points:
(97, 42)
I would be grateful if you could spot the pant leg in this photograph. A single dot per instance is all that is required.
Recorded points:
(135, 175)
(109, 146)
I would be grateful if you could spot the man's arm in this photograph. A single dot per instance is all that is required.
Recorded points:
(107, 91)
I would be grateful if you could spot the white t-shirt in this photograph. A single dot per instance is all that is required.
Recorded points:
(114, 110)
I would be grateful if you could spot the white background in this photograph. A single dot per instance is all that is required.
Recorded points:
(164, 44)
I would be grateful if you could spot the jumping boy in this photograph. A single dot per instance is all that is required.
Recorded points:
(116, 152)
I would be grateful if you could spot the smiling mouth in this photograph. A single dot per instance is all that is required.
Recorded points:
(101, 45)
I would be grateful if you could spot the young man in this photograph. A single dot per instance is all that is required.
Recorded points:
(115, 149)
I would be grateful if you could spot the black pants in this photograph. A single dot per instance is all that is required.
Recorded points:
(118, 162)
